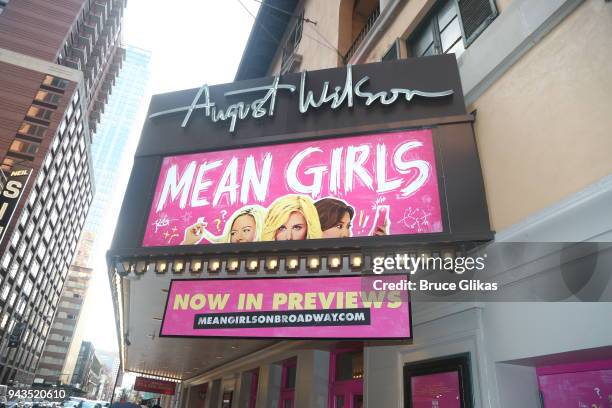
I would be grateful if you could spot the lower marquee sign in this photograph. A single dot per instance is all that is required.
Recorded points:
(153, 385)
(336, 307)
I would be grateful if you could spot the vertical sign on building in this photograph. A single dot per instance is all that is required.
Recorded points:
(9, 198)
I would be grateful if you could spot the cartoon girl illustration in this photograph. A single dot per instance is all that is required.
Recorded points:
(336, 219)
(292, 217)
(244, 225)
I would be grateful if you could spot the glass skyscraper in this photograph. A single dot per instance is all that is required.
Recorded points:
(110, 142)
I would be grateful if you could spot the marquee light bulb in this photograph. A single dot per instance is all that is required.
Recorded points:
(232, 265)
(356, 260)
(293, 262)
(178, 265)
(214, 265)
(271, 264)
(161, 266)
(335, 261)
(141, 267)
(252, 264)
(313, 262)
(196, 265)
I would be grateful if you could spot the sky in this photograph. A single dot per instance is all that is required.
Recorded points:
(192, 42)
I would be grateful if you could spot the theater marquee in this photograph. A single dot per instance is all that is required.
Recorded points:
(353, 159)
(380, 184)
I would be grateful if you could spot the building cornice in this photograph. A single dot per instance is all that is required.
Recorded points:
(40, 65)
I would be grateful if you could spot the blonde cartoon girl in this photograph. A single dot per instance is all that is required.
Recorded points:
(245, 225)
(291, 217)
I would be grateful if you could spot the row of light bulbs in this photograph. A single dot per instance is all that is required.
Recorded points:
(232, 264)
(157, 377)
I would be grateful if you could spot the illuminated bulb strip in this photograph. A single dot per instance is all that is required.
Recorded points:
(157, 377)
(121, 323)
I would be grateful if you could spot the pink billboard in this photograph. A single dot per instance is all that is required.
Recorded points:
(378, 184)
(326, 308)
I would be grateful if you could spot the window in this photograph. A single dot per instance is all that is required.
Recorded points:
(451, 27)
(4, 292)
(20, 277)
(3, 4)
(393, 52)
(47, 233)
(30, 229)
(54, 82)
(49, 159)
(21, 250)
(53, 216)
(66, 185)
(52, 174)
(47, 97)
(59, 157)
(60, 200)
(287, 390)
(35, 268)
(24, 217)
(21, 306)
(5, 318)
(36, 237)
(45, 192)
(6, 260)
(37, 210)
(15, 239)
(7, 164)
(444, 380)
(39, 113)
(32, 198)
(69, 112)
(13, 269)
(21, 146)
(346, 374)
(62, 128)
(292, 42)
(27, 287)
(32, 130)
(28, 257)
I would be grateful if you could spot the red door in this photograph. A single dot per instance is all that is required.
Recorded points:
(254, 384)
(287, 390)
